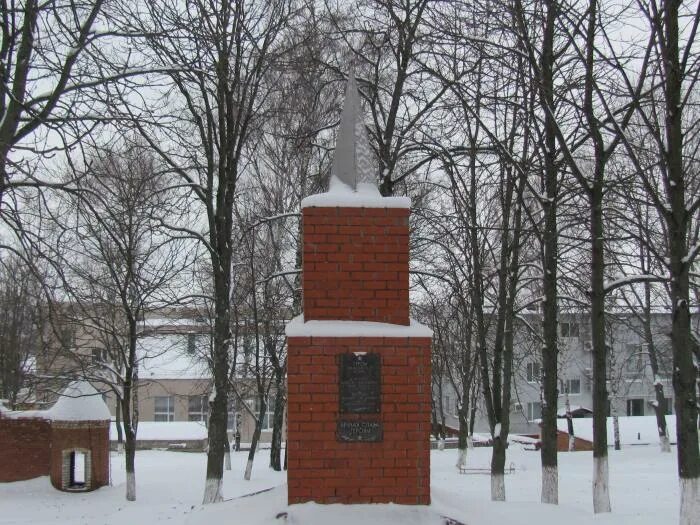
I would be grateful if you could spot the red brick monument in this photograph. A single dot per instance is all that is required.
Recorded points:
(358, 366)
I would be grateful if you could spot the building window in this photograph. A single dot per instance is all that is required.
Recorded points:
(191, 343)
(448, 405)
(197, 408)
(534, 411)
(635, 407)
(573, 386)
(269, 413)
(533, 372)
(569, 329)
(164, 409)
(635, 364)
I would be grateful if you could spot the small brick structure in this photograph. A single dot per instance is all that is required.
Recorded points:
(69, 442)
(89, 438)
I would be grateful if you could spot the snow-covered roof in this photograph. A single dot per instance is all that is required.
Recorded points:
(344, 197)
(79, 402)
(634, 430)
(298, 328)
(561, 412)
(166, 357)
(165, 431)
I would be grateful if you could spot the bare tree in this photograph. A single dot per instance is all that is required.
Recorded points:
(387, 39)
(212, 102)
(22, 330)
(116, 266)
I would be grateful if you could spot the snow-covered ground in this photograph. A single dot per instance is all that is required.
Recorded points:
(644, 491)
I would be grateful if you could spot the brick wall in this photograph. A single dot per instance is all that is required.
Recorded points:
(322, 469)
(579, 444)
(81, 435)
(24, 448)
(356, 264)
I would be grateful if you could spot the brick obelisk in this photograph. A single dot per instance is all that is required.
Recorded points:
(358, 366)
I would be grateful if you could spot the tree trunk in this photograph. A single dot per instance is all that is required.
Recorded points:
(120, 431)
(277, 424)
(227, 454)
(254, 442)
(570, 425)
(660, 405)
(463, 436)
(498, 462)
(677, 220)
(130, 450)
(218, 414)
(601, 495)
(550, 350)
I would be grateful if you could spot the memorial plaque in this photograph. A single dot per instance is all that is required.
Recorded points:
(360, 384)
(367, 431)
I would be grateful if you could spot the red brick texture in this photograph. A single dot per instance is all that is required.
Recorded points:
(355, 264)
(24, 448)
(32, 447)
(325, 470)
(90, 435)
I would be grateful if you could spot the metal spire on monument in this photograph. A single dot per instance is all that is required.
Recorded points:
(353, 161)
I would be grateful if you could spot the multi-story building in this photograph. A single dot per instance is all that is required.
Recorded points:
(174, 379)
(630, 378)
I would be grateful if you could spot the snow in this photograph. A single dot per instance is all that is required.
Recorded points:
(298, 328)
(79, 402)
(639, 430)
(166, 357)
(630, 279)
(165, 431)
(573, 408)
(366, 196)
(644, 490)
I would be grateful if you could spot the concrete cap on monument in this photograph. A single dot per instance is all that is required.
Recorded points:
(353, 180)
(79, 402)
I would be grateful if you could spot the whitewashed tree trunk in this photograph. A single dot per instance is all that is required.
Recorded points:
(131, 486)
(601, 493)
(690, 501)
(550, 485)
(213, 490)
(665, 443)
(227, 459)
(616, 432)
(441, 443)
(498, 487)
(461, 457)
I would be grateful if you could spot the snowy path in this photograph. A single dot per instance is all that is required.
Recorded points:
(644, 491)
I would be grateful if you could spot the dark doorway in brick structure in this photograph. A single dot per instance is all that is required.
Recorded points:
(77, 470)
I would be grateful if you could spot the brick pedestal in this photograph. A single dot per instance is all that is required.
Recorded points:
(356, 264)
(356, 270)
